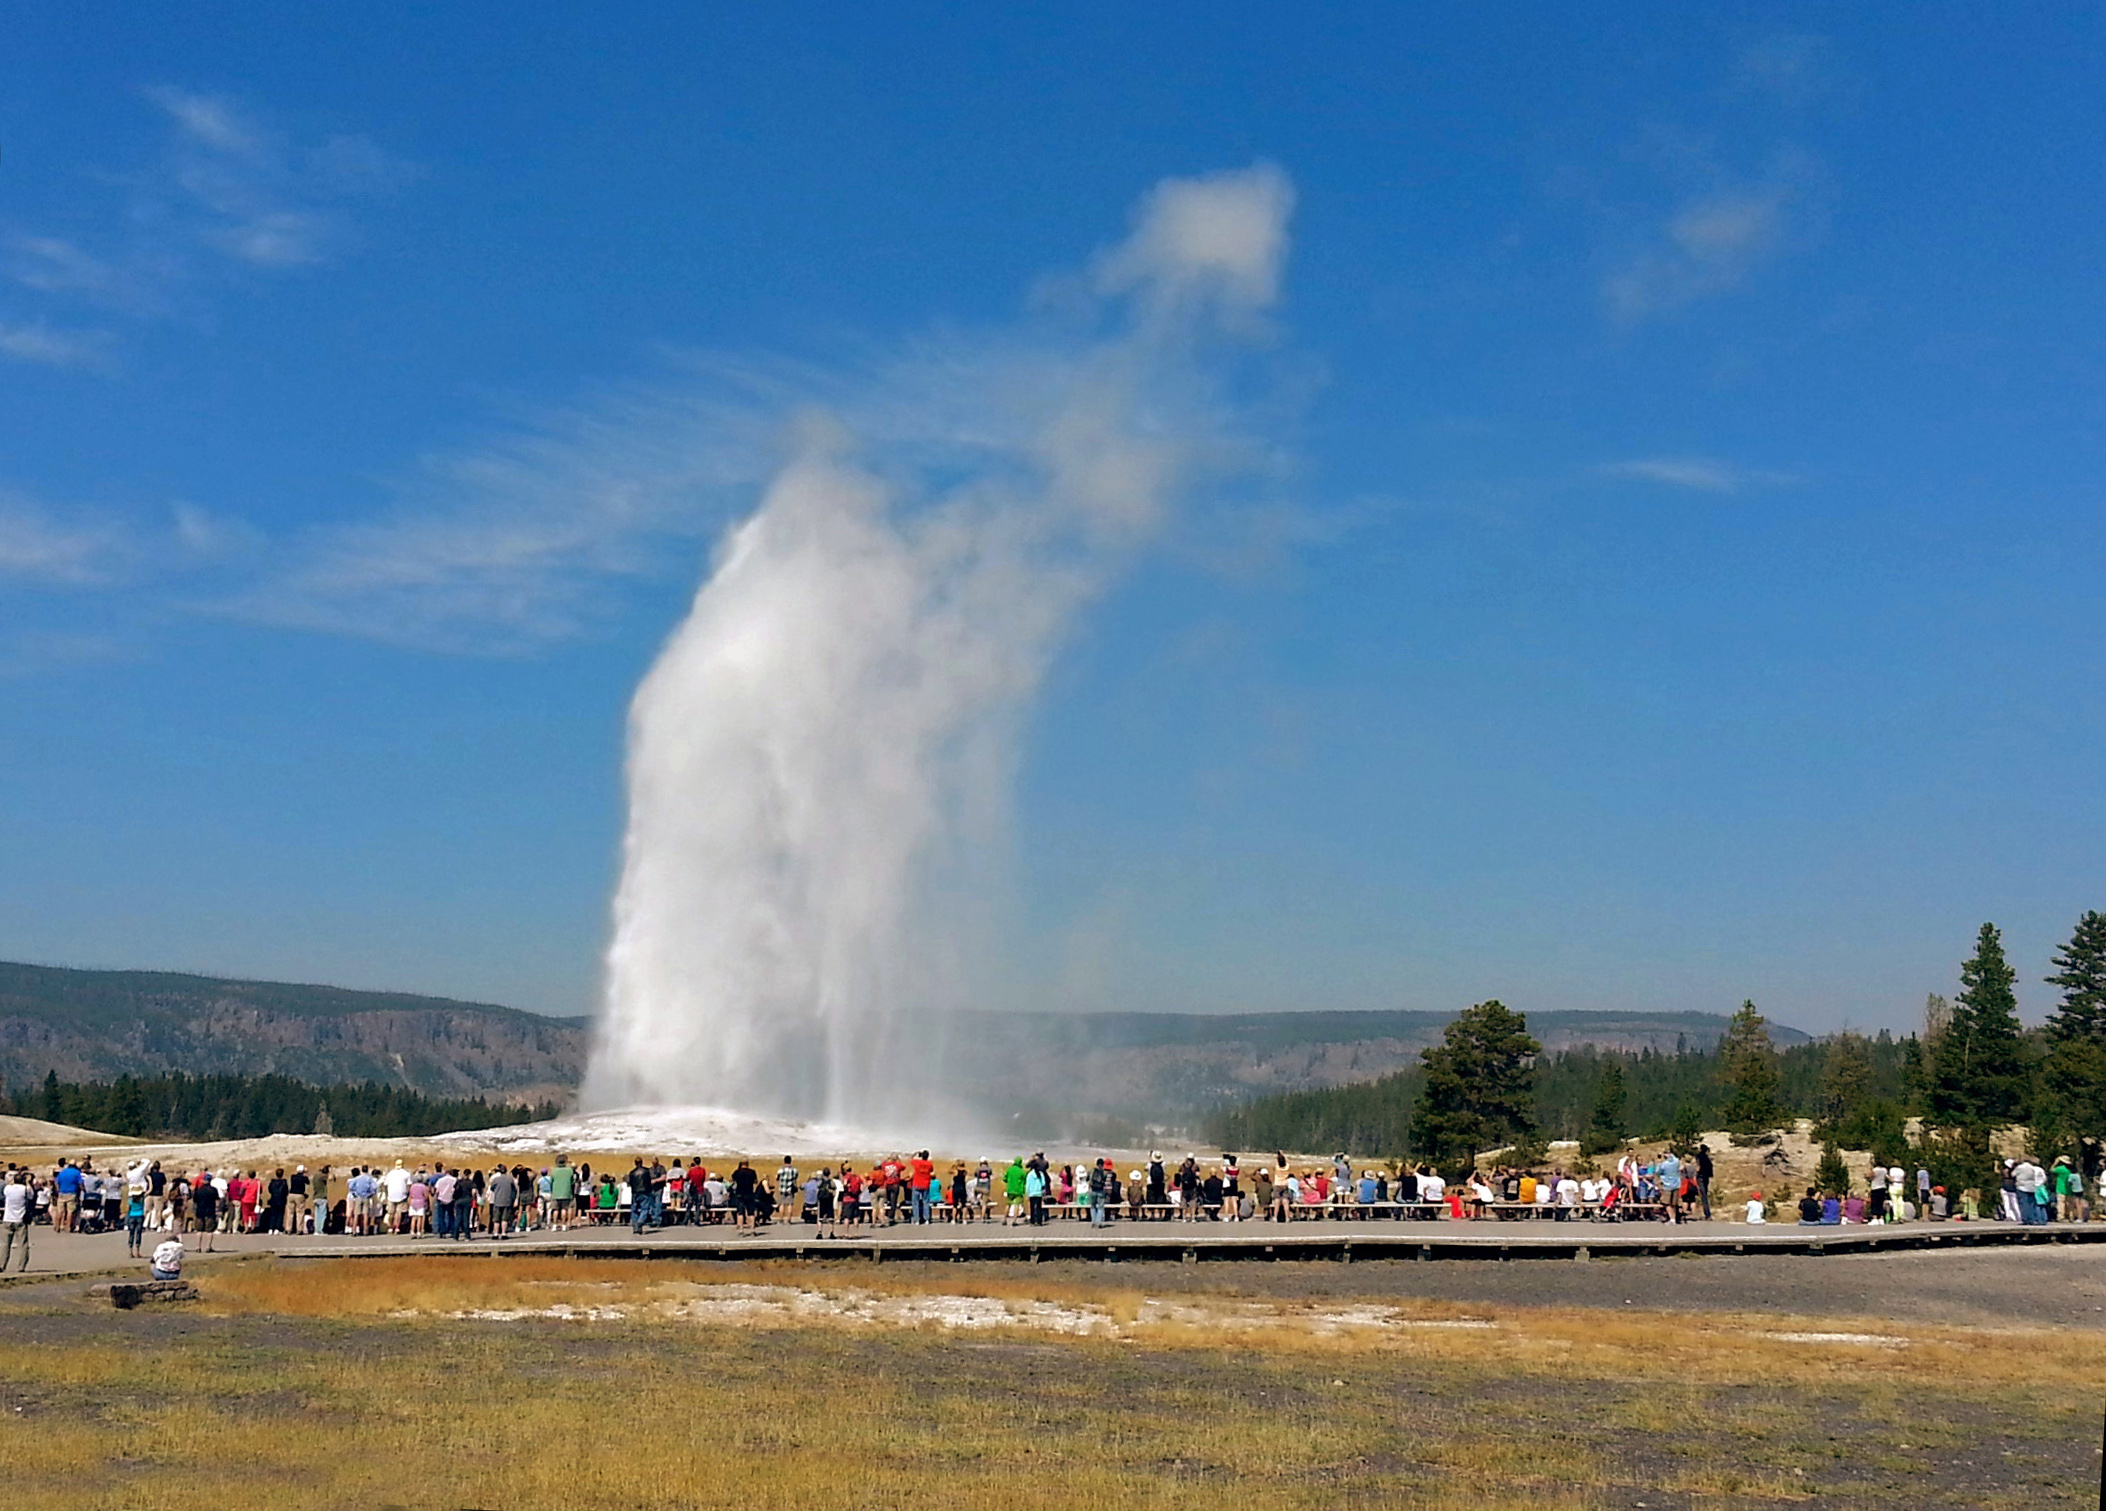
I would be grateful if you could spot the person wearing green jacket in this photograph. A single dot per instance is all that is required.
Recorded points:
(1013, 1186)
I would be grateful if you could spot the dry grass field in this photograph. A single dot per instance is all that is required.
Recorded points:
(432, 1382)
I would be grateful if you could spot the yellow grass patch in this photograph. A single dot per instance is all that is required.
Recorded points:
(311, 1384)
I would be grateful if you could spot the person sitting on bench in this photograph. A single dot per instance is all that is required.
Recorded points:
(167, 1261)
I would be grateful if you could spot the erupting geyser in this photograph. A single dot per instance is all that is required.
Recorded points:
(825, 744)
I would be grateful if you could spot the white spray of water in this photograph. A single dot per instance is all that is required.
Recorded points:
(825, 744)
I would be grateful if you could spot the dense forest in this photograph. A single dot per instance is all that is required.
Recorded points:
(230, 1106)
(1374, 1117)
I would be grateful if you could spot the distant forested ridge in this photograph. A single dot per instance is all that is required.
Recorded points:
(98, 1025)
(235, 1107)
(1374, 1117)
(1128, 1069)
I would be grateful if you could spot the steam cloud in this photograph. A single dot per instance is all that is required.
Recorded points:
(825, 745)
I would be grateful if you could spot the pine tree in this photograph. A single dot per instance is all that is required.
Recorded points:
(1915, 1074)
(1748, 1067)
(1846, 1082)
(1605, 1126)
(2074, 1076)
(51, 1106)
(1979, 1077)
(1480, 1090)
(1687, 1131)
(2080, 970)
(124, 1111)
(1832, 1175)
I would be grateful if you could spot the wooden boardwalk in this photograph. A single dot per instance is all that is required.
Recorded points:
(1130, 1242)
(1193, 1243)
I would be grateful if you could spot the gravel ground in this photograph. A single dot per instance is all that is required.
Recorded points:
(2058, 1285)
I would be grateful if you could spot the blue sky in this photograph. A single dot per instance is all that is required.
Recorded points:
(1681, 583)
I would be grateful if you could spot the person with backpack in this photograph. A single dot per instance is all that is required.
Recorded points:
(1098, 1182)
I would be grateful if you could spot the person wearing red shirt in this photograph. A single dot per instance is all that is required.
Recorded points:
(851, 1196)
(924, 1171)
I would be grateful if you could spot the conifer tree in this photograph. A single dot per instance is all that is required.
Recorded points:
(2075, 1072)
(1748, 1066)
(2080, 970)
(1832, 1175)
(1979, 1079)
(1480, 1090)
(1846, 1082)
(1605, 1126)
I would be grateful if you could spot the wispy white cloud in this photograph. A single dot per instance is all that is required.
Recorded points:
(202, 535)
(55, 348)
(256, 196)
(53, 265)
(1708, 246)
(213, 123)
(1720, 227)
(1700, 474)
(229, 193)
(542, 531)
(37, 546)
(531, 537)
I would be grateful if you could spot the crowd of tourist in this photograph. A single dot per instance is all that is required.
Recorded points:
(2026, 1193)
(150, 1202)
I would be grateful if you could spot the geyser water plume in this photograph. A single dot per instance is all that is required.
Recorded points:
(824, 746)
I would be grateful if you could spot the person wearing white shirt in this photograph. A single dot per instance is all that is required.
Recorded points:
(1482, 1194)
(397, 1184)
(167, 1263)
(1756, 1211)
(18, 1209)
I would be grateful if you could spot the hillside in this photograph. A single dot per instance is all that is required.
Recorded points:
(1043, 1070)
(96, 1025)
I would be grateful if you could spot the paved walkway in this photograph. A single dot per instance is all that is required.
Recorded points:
(95, 1255)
